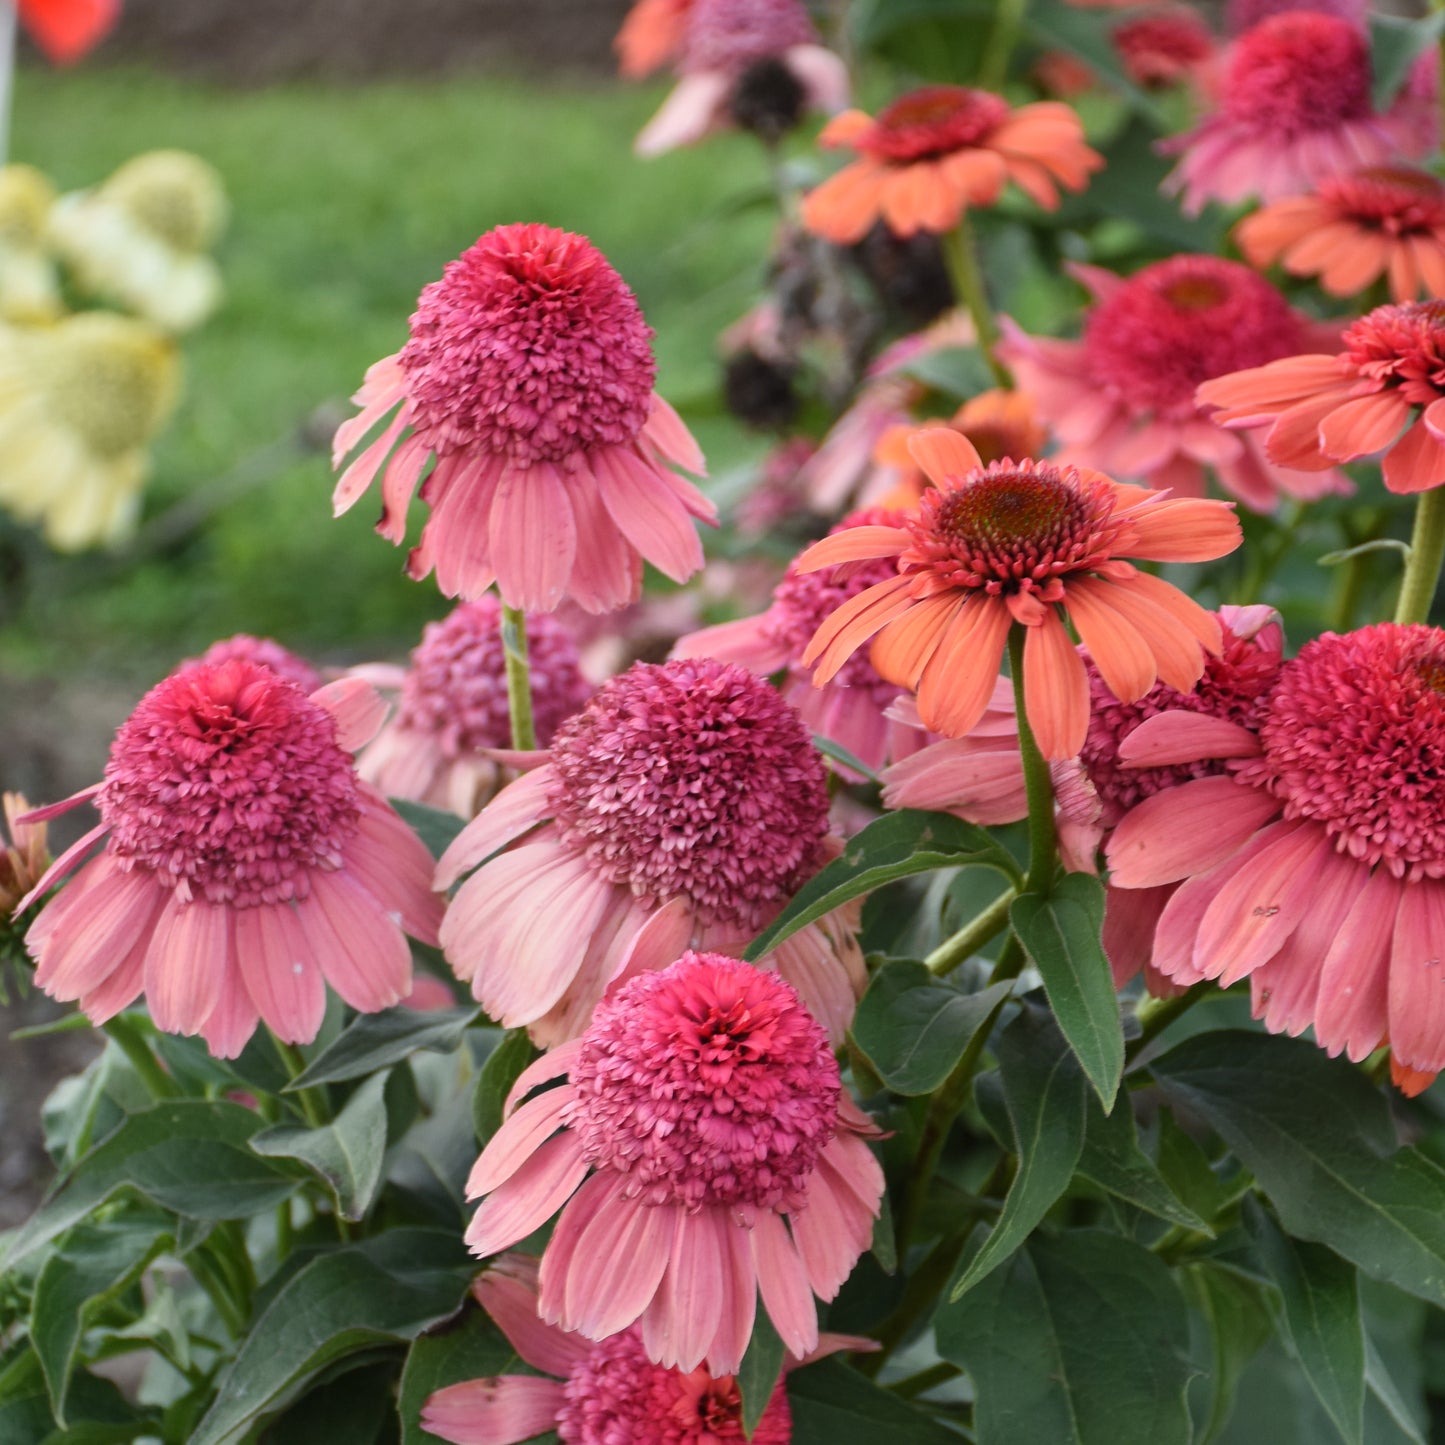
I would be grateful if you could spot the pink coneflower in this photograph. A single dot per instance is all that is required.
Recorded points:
(528, 377)
(1024, 542)
(1294, 108)
(705, 1102)
(1122, 397)
(937, 152)
(651, 36)
(453, 709)
(245, 865)
(1163, 47)
(758, 64)
(605, 1392)
(1315, 869)
(1382, 221)
(1241, 15)
(264, 652)
(681, 808)
(980, 777)
(1385, 392)
(852, 709)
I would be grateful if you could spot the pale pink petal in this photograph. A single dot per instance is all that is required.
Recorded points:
(618, 1262)
(519, 807)
(530, 1197)
(1130, 918)
(694, 106)
(669, 434)
(783, 1282)
(358, 708)
(749, 641)
(1417, 976)
(101, 914)
(647, 512)
(692, 1292)
(281, 974)
(521, 1135)
(607, 572)
(501, 1411)
(1352, 1013)
(739, 1308)
(512, 1303)
(662, 940)
(182, 982)
(1180, 738)
(229, 1026)
(533, 537)
(392, 864)
(362, 472)
(361, 950)
(71, 858)
(552, 1065)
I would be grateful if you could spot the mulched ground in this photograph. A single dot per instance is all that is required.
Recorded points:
(258, 41)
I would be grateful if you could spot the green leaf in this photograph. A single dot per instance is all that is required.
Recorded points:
(1319, 1139)
(1384, 1388)
(356, 1407)
(1237, 1313)
(468, 1347)
(761, 1368)
(839, 754)
(503, 1067)
(377, 1041)
(1045, 1093)
(1186, 1169)
(1321, 1297)
(897, 846)
(834, 1405)
(1113, 1159)
(1395, 45)
(94, 1263)
(1080, 1339)
(383, 1292)
(188, 1156)
(1061, 934)
(346, 1154)
(957, 371)
(914, 1027)
(435, 828)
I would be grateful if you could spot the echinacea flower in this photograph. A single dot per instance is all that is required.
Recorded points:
(245, 866)
(1316, 868)
(1385, 392)
(1026, 542)
(1163, 47)
(264, 652)
(1294, 108)
(66, 30)
(725, 1161)
(683, 807)
(1381, 221)
(1241, 15)
(528, 377)
(935, 153)
(29, 281)
(1122, 397)
(651, 36)
(141, 239)
(980, 778)
(80, 404)
(24, 853)
(602, 1392)
(453, 707)
(851, 710)
(757, 64)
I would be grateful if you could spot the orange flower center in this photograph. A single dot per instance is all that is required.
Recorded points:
(931, 122)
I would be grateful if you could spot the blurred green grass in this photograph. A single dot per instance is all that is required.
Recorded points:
(346, 201)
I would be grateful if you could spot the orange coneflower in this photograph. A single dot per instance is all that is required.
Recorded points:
(935, 152)
(1383, 221)
(1026, 542)
(1385, 392)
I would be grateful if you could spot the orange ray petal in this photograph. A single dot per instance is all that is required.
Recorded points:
(944, 454)
(1124, 661)
(855, 544)
(1056, 690)
(901, 650)
(841, 633)
(957, 684)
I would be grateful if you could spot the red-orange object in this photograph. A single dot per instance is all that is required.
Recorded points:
(66, 30)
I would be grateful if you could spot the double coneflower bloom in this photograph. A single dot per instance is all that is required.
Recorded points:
(1024, 542)
(528, 380)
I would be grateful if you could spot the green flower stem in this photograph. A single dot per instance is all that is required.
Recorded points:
(962, 260)
(285, 1235)
(1008, 20)
(943, 1108)
(312, 1102)
(128, 1037)
(1156, 1014)
(1011, 960)
(1043, 839)
(1427, 552)
(972, 936)
(925, 1380)
(213, 1280)
(519, 678)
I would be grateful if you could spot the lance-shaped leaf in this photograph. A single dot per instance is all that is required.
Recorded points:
(1321, 1298)
(1045, 1093)
(1061, 934)
(345, 1154)
(835, 1405)
(761, 1368)
(1318, 1138)
(913, 1027)
(1396, 43)
(1082, 1338)
(897, 846)
(378, 1041)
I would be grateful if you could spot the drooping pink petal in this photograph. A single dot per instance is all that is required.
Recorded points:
(520, 806)
(527, 1200)
(783, 1283)
(501, 1411)
(362, 952)
(281, 974)
(1352, 1013)
(521, 1135)
(181, 985)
